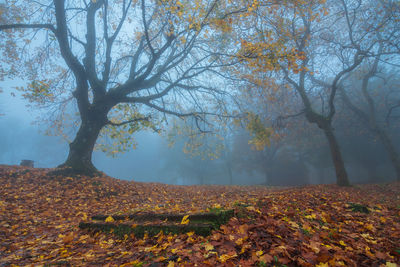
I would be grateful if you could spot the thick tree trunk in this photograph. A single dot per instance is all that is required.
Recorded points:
(391, 150)
(79, 159)
(324, 123)
(341, 174)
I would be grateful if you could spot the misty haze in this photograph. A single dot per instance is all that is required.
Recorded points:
(200, 133)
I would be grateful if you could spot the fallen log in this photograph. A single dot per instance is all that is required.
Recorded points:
(122, 229)
(153, 223)
(173, 217)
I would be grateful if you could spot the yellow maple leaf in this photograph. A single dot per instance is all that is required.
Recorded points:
(185, 219)
(208, 247)
(368, 252)
(171, 264)
(151, 248)
(189, 234)
(390, 264)
(370, 227)
(109, 219)
(293, 224)
(312, 216)
(239, 241)
(224, 257)
(217, 206)
(84, 216)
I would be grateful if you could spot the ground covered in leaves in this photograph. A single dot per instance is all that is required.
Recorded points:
(321, 225)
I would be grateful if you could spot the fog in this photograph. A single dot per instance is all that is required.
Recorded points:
(302, 157)
(296, 98)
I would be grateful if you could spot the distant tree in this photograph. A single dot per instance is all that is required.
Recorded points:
(247, 159)
(319, 40)
(374, 97)
(126, 63)
(193, 158)
(280, 163)
(365, 153)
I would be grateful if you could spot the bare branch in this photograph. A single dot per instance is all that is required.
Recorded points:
(28, 26)
(129, 121)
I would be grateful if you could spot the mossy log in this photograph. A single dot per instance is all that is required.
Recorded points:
(121, 229)
(358, 208)
(153, 223)
(221, 216)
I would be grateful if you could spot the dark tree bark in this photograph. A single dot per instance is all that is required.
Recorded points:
(325, 123)
(80, 150)
(337, 159)
(391, 150)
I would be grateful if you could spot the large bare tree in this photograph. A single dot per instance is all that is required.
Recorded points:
(126, 64)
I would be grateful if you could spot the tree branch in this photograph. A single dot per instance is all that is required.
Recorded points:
(129, 121)
(90, 49)
(73, 63)
(28, 26)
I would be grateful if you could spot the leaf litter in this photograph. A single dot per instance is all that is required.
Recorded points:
(318, 225)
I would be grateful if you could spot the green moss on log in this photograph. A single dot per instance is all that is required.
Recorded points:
(201, 223)
(152, 230)
(358, 208)
(221, 217)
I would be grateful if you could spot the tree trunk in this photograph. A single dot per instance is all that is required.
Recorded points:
(325, 124)
(79, 159)
(341, 174)
(391, 150)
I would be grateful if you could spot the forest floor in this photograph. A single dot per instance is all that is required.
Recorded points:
(319, 225)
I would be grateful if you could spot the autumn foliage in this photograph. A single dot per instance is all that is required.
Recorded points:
(322, 225)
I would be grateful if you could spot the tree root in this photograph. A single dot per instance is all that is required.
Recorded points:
(63, 170)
